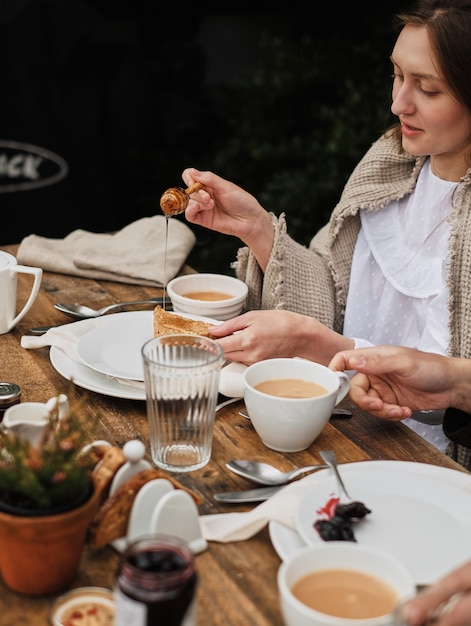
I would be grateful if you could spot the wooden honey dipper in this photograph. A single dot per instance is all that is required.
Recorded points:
(175, 200)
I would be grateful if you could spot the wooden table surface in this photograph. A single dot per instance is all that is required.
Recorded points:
(237, 581)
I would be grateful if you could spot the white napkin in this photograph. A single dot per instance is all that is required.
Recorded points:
(133, 255)
(231, 380)
(281, 507)
(64, 337)
(67, 336)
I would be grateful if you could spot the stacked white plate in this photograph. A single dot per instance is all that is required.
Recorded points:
(110, 354)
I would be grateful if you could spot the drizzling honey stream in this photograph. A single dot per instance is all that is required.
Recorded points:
(174, 202)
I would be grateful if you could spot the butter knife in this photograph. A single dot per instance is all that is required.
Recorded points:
(250, 495)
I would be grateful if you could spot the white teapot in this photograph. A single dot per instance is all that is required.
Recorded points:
(29, 419)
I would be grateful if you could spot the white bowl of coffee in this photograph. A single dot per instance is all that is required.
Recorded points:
(342, 583)
(217, 296)
(289, 401)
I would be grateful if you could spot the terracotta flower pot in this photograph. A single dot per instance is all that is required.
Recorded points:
(41, 554)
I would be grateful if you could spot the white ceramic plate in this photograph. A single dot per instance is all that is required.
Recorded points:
(114, 348)
(88, 378)
(286, 541)
(423, 520)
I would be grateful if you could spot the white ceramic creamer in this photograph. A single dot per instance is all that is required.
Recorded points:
(9, 270)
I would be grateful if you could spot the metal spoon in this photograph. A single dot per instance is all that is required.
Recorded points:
(330, 458)
(265, 474)
(80, 311)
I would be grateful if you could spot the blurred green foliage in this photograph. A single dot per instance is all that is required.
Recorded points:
(292, 128)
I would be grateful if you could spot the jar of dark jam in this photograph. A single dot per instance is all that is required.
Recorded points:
(156, 583)
(10, 394)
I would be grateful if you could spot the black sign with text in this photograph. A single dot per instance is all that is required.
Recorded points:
(24, 167)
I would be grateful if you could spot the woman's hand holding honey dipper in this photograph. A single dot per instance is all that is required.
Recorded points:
(175, 200)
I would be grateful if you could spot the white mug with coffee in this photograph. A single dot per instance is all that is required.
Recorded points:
(289, 401)
(9, 270)
(342, 583)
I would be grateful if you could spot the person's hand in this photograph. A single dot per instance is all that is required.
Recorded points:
(226, 208)
(393, 381)
(266, 334)
(448, 601)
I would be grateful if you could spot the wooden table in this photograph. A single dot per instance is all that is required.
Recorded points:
(237, 581)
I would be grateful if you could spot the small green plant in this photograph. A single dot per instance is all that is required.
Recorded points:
(56, 472)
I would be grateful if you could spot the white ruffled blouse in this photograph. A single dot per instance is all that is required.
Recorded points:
(398, 292)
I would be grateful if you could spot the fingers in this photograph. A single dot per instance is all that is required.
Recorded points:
(235, 324)
(366, 360)
(363, 395)
(206, 179)
(383, 359)
(371, 395)
(441, 608)
(191, 175)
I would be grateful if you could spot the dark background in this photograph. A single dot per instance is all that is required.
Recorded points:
(132, 92)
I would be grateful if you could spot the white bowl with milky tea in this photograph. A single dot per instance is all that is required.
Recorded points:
(351, 584)
(217, 296)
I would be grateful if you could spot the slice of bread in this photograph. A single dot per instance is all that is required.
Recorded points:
(166, 323)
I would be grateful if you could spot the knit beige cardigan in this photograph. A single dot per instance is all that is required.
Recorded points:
(315, 280)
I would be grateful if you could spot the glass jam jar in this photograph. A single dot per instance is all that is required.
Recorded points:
(156, 583)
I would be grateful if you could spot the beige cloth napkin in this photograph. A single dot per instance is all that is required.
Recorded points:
(135, 254)
(281, 507)
(66, 337)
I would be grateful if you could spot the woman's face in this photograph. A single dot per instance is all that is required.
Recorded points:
(433, 122)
